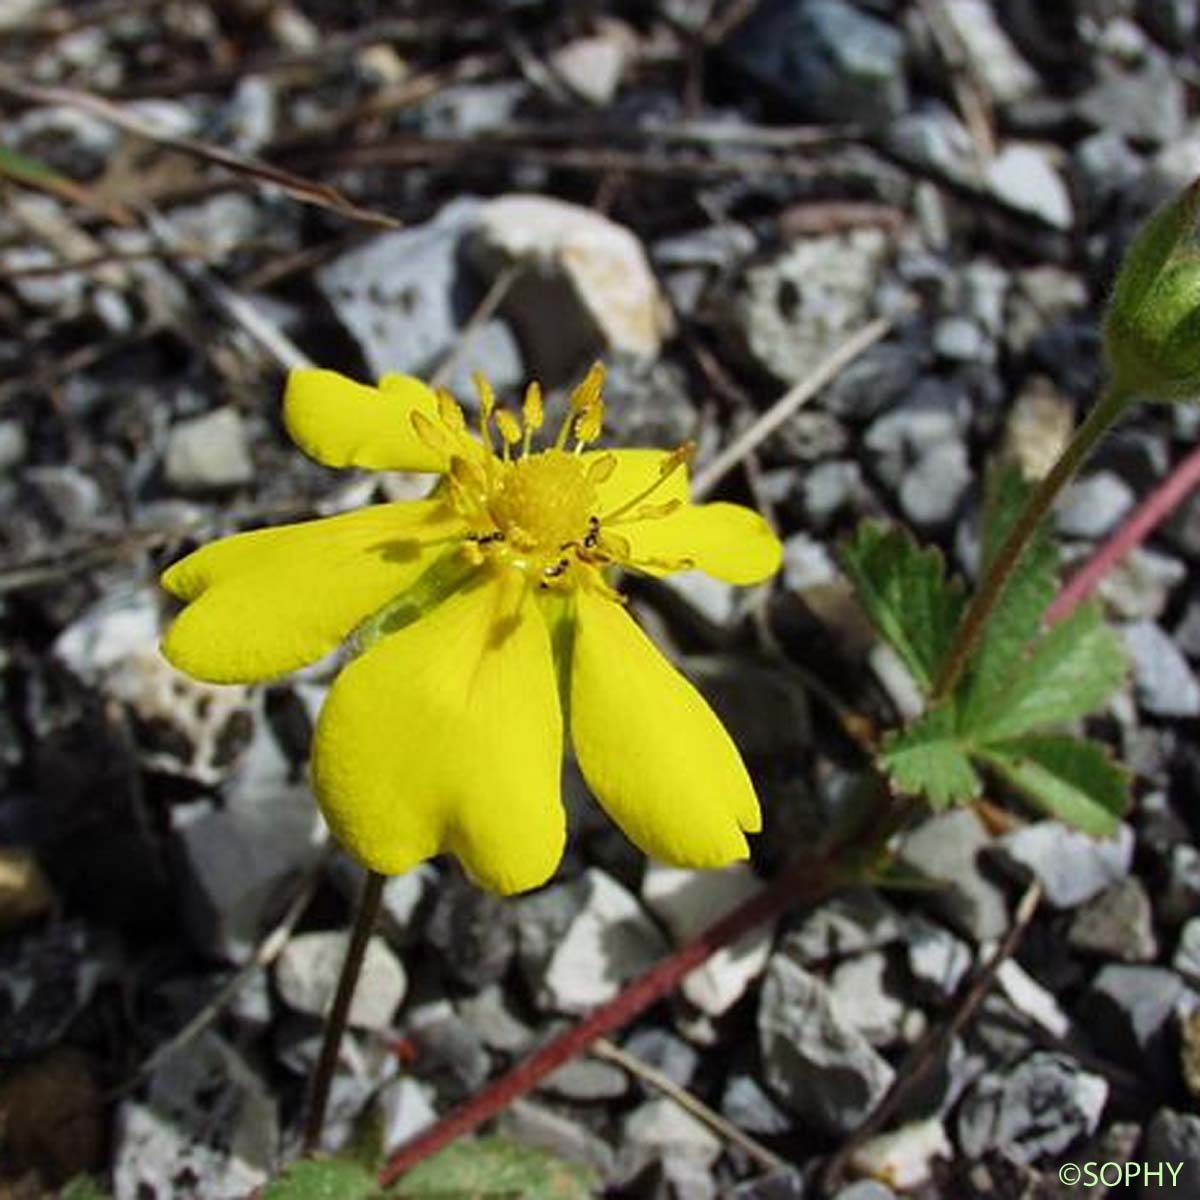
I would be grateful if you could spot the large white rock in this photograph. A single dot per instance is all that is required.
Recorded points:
(586, 287)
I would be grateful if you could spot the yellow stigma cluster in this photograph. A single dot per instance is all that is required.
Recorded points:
(537, 510)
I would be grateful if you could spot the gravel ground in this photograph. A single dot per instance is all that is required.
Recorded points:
(710, 197)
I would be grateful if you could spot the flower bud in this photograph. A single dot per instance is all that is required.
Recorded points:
(1152, 327)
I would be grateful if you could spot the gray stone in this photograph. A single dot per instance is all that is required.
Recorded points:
(1032, 1000)
(1180, 898)
(750, 1108)
(822, 1068)
(875, 381)
(713, 599)
(663, 1050)
(1164, 682)
(593, 66)
(807, 563)
(1172, 1141)
(609, 941)
(660, 1131)
(405, 296)
(532, 1124)
(903, 436)
(1092, 506)
(1118, 923)
(935, 139)
(450, 1053)
(239, 856)
(786, 313)
(1025, 177)
(586, 1080)
(934, 485)
(1172, 22)
(473, 930)
(1139, 586)
(866, 1189)
(904, 1156)
(1128, 1011)
(1183, 527)
(1187, 953)
(862, 1000)
(854, 921)
(945, 848)
(1144, 105)
(937, 959)
(833, 486)
(687, 902)
(71, 496)
(991, 57)
(1107, 165)
(831, 61)
(13, 444)
(470, 109)
(306, 974)
(405, 1107)
(1187, 632)
(210, 451)
(585, 286)
(1033, 1110)
(1071, 866)
(961, 340)
(488, 1014)
(207, 1126)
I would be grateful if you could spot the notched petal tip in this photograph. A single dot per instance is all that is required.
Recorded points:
(341, 423)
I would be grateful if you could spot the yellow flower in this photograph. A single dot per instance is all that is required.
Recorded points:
(483, 620)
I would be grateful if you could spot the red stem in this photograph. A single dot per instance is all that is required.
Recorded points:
(798, 881)
(1155, 508)
(804, 880)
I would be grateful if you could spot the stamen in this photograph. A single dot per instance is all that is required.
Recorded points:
(434, 436)
(450, 413)
(589, 423)
(651, 512)
(533, 414)
(679, 457)
(582, 399)
(510, 430)
(588, 390)
(487, 403)
(601, 470)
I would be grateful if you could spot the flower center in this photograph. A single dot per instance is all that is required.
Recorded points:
(543, 502)
(538, 511)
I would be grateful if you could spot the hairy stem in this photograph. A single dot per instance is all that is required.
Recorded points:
(1104, 412)
(335, 1022)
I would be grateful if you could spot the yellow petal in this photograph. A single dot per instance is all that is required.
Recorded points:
(345, 424)
(447, 736)
(270, 601)
(727, 541)
(651, 749)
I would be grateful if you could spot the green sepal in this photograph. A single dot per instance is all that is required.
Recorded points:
(1149, 327)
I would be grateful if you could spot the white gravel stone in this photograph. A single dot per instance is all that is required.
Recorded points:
(306, 974)
(688, 902)
(210, 451)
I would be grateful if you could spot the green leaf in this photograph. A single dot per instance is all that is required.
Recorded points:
(1072, 779)
(492, 1165)
(1070, 671)
(1017, 616)
(323, 1179)
(906, 594)
(930, 759)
